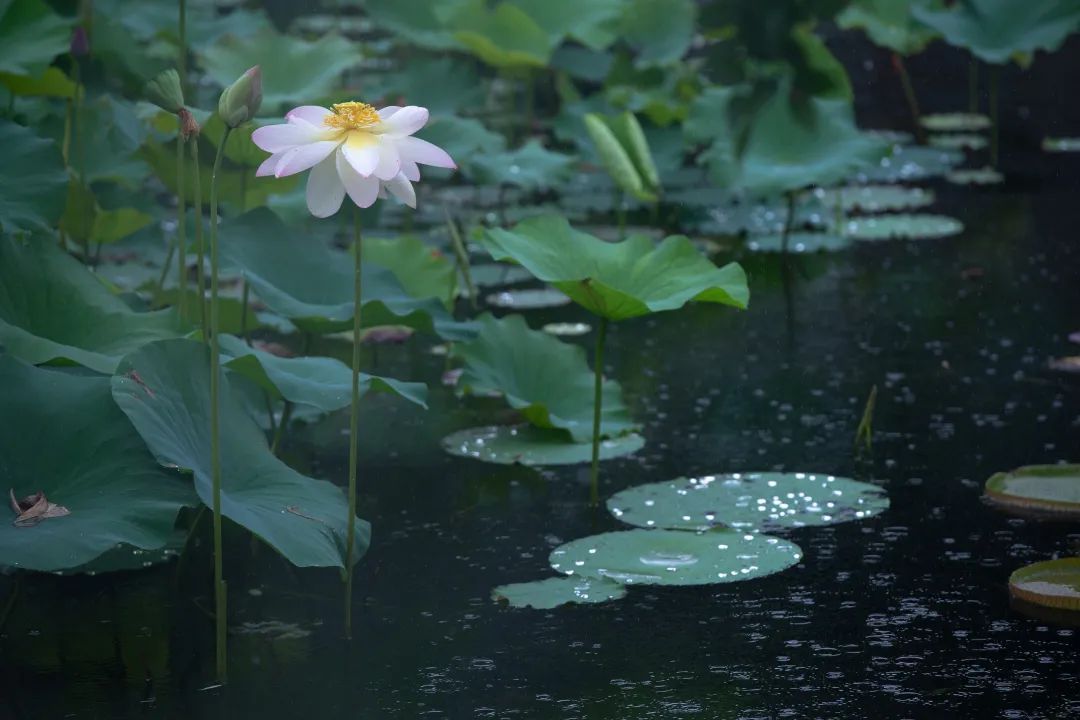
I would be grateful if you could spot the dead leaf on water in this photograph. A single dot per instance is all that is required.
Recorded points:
(32, 509)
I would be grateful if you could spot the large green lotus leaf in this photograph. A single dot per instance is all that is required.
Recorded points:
(1051, 583)
(595, 23)
(503, 36)
(997, 31)
(64, 436)
(547, 380)
(50, 83)
(205, 23)
(421, 22)
(421, 269)
(529, 445)
(445, 85)
(1045, 488)
(530, 167)
(670, 557)
(33, 184)
(661, 30)
(31, 35)
(618, 280)
(301, 279)
(789, 144)
(748, 501)
(891, 24)
(52, 309)
(553, 592)
(323, 382)
(164, 389)
(294, 70)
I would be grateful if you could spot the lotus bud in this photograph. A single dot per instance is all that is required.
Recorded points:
(80, 42)
(242, 99)
(165, 92)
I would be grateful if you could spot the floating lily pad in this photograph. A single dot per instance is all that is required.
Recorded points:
(55, 311)
(546, 380)
(498, 274)
(528, 445)
(1043, 488)
(618, 280)
(553, 592)
(567, 329)
(669, 557)
(914, 226)
(1061, 145)
(748, 501)
(1069, 364)
(975, 176)
(65, 437)
(908, 163)
(1051, 583)
(163, 388)
(799, 242)
(955, 122)
(959, 141)
(528, 299)
(876, 198)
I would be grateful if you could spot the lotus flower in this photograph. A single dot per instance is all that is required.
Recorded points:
(352, 148)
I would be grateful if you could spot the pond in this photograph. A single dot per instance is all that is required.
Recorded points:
(609, 470)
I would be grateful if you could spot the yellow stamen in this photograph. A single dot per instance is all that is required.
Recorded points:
(352, 116)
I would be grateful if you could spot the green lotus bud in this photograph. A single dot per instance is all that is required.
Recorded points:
(242, 99)
(165, 92)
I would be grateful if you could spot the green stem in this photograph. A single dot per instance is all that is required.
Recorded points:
(181, 58)
(994, 129)
(973, 85)
(245, 299)
(286, 415)
(461, 255)
(215, 418)
(598, 398)
(354, 420)
(196, 196)
(789, 222)
(909, 95)
(181, 222)
(165, 271)
(80, 155)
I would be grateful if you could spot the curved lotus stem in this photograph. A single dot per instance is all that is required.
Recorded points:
(354, 420)
(598, 387)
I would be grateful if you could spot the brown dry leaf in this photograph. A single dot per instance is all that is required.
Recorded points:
(32, 509)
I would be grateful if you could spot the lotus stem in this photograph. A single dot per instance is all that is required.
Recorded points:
(245, 299)
(165, 270)
(789, 222)
(286, 415)
(181, 221)
(196, 193)
(973, 85)
(865, 432)
(461, 255)
(995, 147)
(354, 420)
(598, 399)
(215, 419)
(909, 95)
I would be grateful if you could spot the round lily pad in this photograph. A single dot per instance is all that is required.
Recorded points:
(959, 141)
(955, 122)
(498, 274)
(975, 176)
(567, 329)
(668, 557)
(1051, 583)
(528, 299)
(876, 198)
(1043, 488)
(915, 226)
(748, 501)
(912, 162)
(893, 137)
(799, 242)
(528, 445)
(1061, 145)
(553, 592)
(1069, 364)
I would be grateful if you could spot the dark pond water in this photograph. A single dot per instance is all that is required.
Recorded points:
(905, 615)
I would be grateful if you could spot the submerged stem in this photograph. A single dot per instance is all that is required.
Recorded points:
(215, 418)
(909, 95)
(196, 180)
(973, 85)
(789, 222)
(354, 420)
(598, 386)
(181, 223)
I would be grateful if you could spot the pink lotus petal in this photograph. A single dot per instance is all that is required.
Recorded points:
(324, 189)
(304, 157)
(363, 190)
(276, 138)
(400, 187)
(268, 165)
(411, 170)
(362, 152)
(406, 121)
(423, 152)
(389, 160)
(386, 112)
(311, 114)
